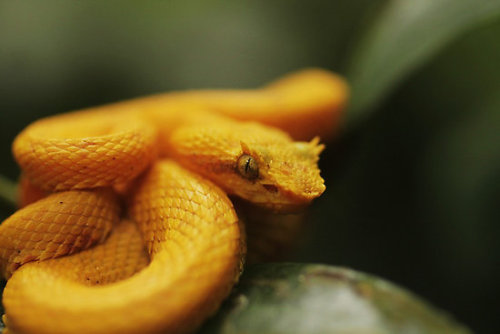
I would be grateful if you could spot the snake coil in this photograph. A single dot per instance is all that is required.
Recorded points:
(126, 225)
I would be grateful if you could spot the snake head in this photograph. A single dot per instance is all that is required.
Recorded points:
(260, 164)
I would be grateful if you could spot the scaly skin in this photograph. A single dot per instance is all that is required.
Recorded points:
(84, 150)
(195, 254)
(60, 224)
(304, 104)
(188, 225)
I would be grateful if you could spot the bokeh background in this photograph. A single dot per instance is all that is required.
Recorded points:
(413, 179)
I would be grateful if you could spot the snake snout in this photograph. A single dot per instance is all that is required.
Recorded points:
(297, 174)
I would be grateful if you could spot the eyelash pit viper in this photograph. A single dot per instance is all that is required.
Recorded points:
(126, 225)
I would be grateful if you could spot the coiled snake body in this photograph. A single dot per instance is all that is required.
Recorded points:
(171, 160)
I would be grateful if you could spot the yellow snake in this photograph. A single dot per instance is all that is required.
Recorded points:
(137, 192)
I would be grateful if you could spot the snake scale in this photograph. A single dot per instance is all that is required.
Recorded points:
(126, 225)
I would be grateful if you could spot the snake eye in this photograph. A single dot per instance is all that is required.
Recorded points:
(248, 167)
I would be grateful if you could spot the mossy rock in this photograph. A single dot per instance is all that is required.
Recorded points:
(308, 298)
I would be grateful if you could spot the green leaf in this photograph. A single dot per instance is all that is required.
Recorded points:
(405, 35)
(308, 298)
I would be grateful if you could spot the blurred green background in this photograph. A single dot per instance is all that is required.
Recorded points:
(413, 180)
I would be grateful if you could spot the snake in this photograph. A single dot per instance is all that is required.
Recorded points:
(127, 222)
